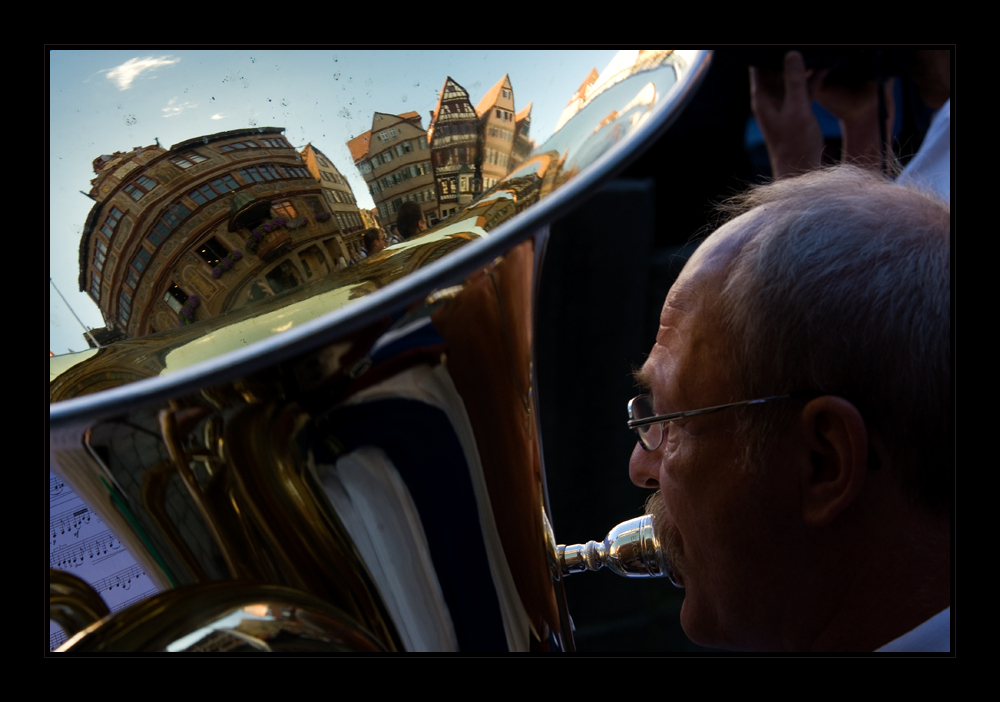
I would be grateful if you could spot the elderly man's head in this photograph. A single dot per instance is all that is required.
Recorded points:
(834, 285)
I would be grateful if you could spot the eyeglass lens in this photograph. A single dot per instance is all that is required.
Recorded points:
(650, 435)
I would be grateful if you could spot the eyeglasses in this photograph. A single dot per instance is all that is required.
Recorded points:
(650, 428)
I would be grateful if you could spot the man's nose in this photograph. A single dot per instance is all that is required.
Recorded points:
(644, 467)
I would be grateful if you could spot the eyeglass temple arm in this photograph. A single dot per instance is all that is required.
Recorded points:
(637, 423)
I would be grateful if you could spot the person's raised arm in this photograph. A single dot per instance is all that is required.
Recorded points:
(782, 103)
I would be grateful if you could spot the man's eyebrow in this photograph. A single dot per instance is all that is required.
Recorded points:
(642, 379)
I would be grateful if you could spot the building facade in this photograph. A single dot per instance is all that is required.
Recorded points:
(207, 226)
(338, 196)
(395, 161)
(455, 144)
(498, 125)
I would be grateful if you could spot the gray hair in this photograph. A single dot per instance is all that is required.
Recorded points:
(844, 287)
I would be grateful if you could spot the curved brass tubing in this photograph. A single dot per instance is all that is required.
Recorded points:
(73, 604)
(226, 616)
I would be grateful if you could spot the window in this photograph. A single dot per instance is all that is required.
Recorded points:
(322, 161)
(212, 252)
(111, 222)
(315, 205)
(95, 287)
(188, 159)
(235, 146)
(423, 142)
(506, 94)
(210, 191)
(251, 175)
(175, 298)
(100, 253)
(284, 209)
(140, 260)
(140, 187)
(168, 221)
(276, 143)
(124, 307)
(295, 172)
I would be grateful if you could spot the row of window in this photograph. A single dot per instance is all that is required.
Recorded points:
(400, 149)
(397, 177)
(457, 106)
(335, 196)
(275, 143)
(347, 220)
(386, 209)
(100, 253)
(330, 177)
(167, 223)
(497, 158)
(139, 187)
(448, 185)
(456, 129)
(188, 159)
(502, 133)
(259, 174)
(456, 155)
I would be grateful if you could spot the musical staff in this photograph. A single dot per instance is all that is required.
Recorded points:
(102, 546)
(82, 544)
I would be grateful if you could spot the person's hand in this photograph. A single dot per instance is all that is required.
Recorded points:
(856, 108)
(782, 104)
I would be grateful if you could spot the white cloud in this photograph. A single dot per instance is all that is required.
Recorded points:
(173, 109)
(218, 115)
(124, 74)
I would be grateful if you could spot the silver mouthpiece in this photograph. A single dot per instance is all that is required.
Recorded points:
(631, 549)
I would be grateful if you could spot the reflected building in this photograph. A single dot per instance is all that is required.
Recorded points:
(523, 144)
(338, 197)
(201, 228)
(497, 123)
(455, 149)
(395, 161)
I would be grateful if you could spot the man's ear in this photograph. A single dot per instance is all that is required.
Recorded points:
(836, 439)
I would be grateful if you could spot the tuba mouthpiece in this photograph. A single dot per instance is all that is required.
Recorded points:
(631, 550)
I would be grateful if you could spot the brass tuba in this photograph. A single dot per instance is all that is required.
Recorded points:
(363, 472)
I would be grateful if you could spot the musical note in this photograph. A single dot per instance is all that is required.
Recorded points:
(70, 522)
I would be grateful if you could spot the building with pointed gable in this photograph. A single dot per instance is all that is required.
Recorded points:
(454, 140)
(497, 124)
(395, 161)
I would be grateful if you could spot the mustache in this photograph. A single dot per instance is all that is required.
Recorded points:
(666, 533)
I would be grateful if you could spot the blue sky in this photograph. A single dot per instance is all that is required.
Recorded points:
(115, 100)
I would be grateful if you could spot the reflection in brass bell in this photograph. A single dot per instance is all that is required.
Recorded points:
(631, 550)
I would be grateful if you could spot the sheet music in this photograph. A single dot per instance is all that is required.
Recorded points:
(81, 544)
